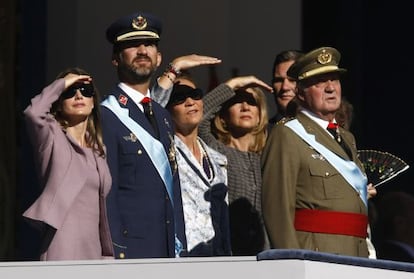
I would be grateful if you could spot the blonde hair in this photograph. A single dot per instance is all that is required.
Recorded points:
(220, 129)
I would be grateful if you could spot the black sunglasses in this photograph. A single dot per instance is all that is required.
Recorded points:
(85, 89)
(242, 97)
(181, 93)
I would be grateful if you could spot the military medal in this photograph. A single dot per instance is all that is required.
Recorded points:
(171, 154)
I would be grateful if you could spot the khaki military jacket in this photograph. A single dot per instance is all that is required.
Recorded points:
(296, 176)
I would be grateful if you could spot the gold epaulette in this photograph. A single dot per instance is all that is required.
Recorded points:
(285, 120)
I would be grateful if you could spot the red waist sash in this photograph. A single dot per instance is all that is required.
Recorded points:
(331, 222)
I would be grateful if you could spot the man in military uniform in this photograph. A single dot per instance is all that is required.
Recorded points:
(314, 188)
(144, 205)
(283, 86)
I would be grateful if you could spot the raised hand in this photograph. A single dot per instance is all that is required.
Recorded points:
(71, 79)
(183, 63)
(193, 60)
(246, 82)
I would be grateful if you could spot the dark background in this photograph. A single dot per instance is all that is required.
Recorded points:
(373, 37)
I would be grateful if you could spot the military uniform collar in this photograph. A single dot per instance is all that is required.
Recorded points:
(135, 95)
(314, 117)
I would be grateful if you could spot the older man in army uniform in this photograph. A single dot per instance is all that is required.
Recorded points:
(314, 187)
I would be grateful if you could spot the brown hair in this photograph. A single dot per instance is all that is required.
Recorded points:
(220, 129)
(344, 115)
(94, 127)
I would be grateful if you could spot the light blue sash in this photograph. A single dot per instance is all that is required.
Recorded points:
(348, 169)
(154, 148)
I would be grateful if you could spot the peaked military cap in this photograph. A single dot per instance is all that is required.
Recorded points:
(137, 26)
(316, 62)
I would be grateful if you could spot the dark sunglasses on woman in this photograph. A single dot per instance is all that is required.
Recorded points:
(86, 89)
(180, 93)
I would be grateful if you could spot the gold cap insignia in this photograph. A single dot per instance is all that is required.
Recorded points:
(139, 23)
(324, 57)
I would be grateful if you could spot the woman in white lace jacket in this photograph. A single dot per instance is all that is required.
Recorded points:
(203, 175)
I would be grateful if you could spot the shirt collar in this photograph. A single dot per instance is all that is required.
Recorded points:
(132, 93)
(317, 119)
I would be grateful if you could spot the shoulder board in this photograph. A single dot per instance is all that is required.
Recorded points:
(285, 120)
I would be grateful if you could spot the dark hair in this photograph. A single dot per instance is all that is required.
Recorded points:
(286, 55)
(94, 127)
(344, 115)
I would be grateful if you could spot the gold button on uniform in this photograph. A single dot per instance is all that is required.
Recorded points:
(121, 255)
(139, 152)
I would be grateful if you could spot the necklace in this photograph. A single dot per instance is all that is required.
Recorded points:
(205, 162)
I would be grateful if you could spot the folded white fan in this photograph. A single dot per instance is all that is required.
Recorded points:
(381, 166)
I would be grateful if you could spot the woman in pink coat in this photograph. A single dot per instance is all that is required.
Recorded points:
(63, 122)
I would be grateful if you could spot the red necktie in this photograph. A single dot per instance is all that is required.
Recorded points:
(332, 125)
(333, 129)
(146, 101)
(149, 113)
